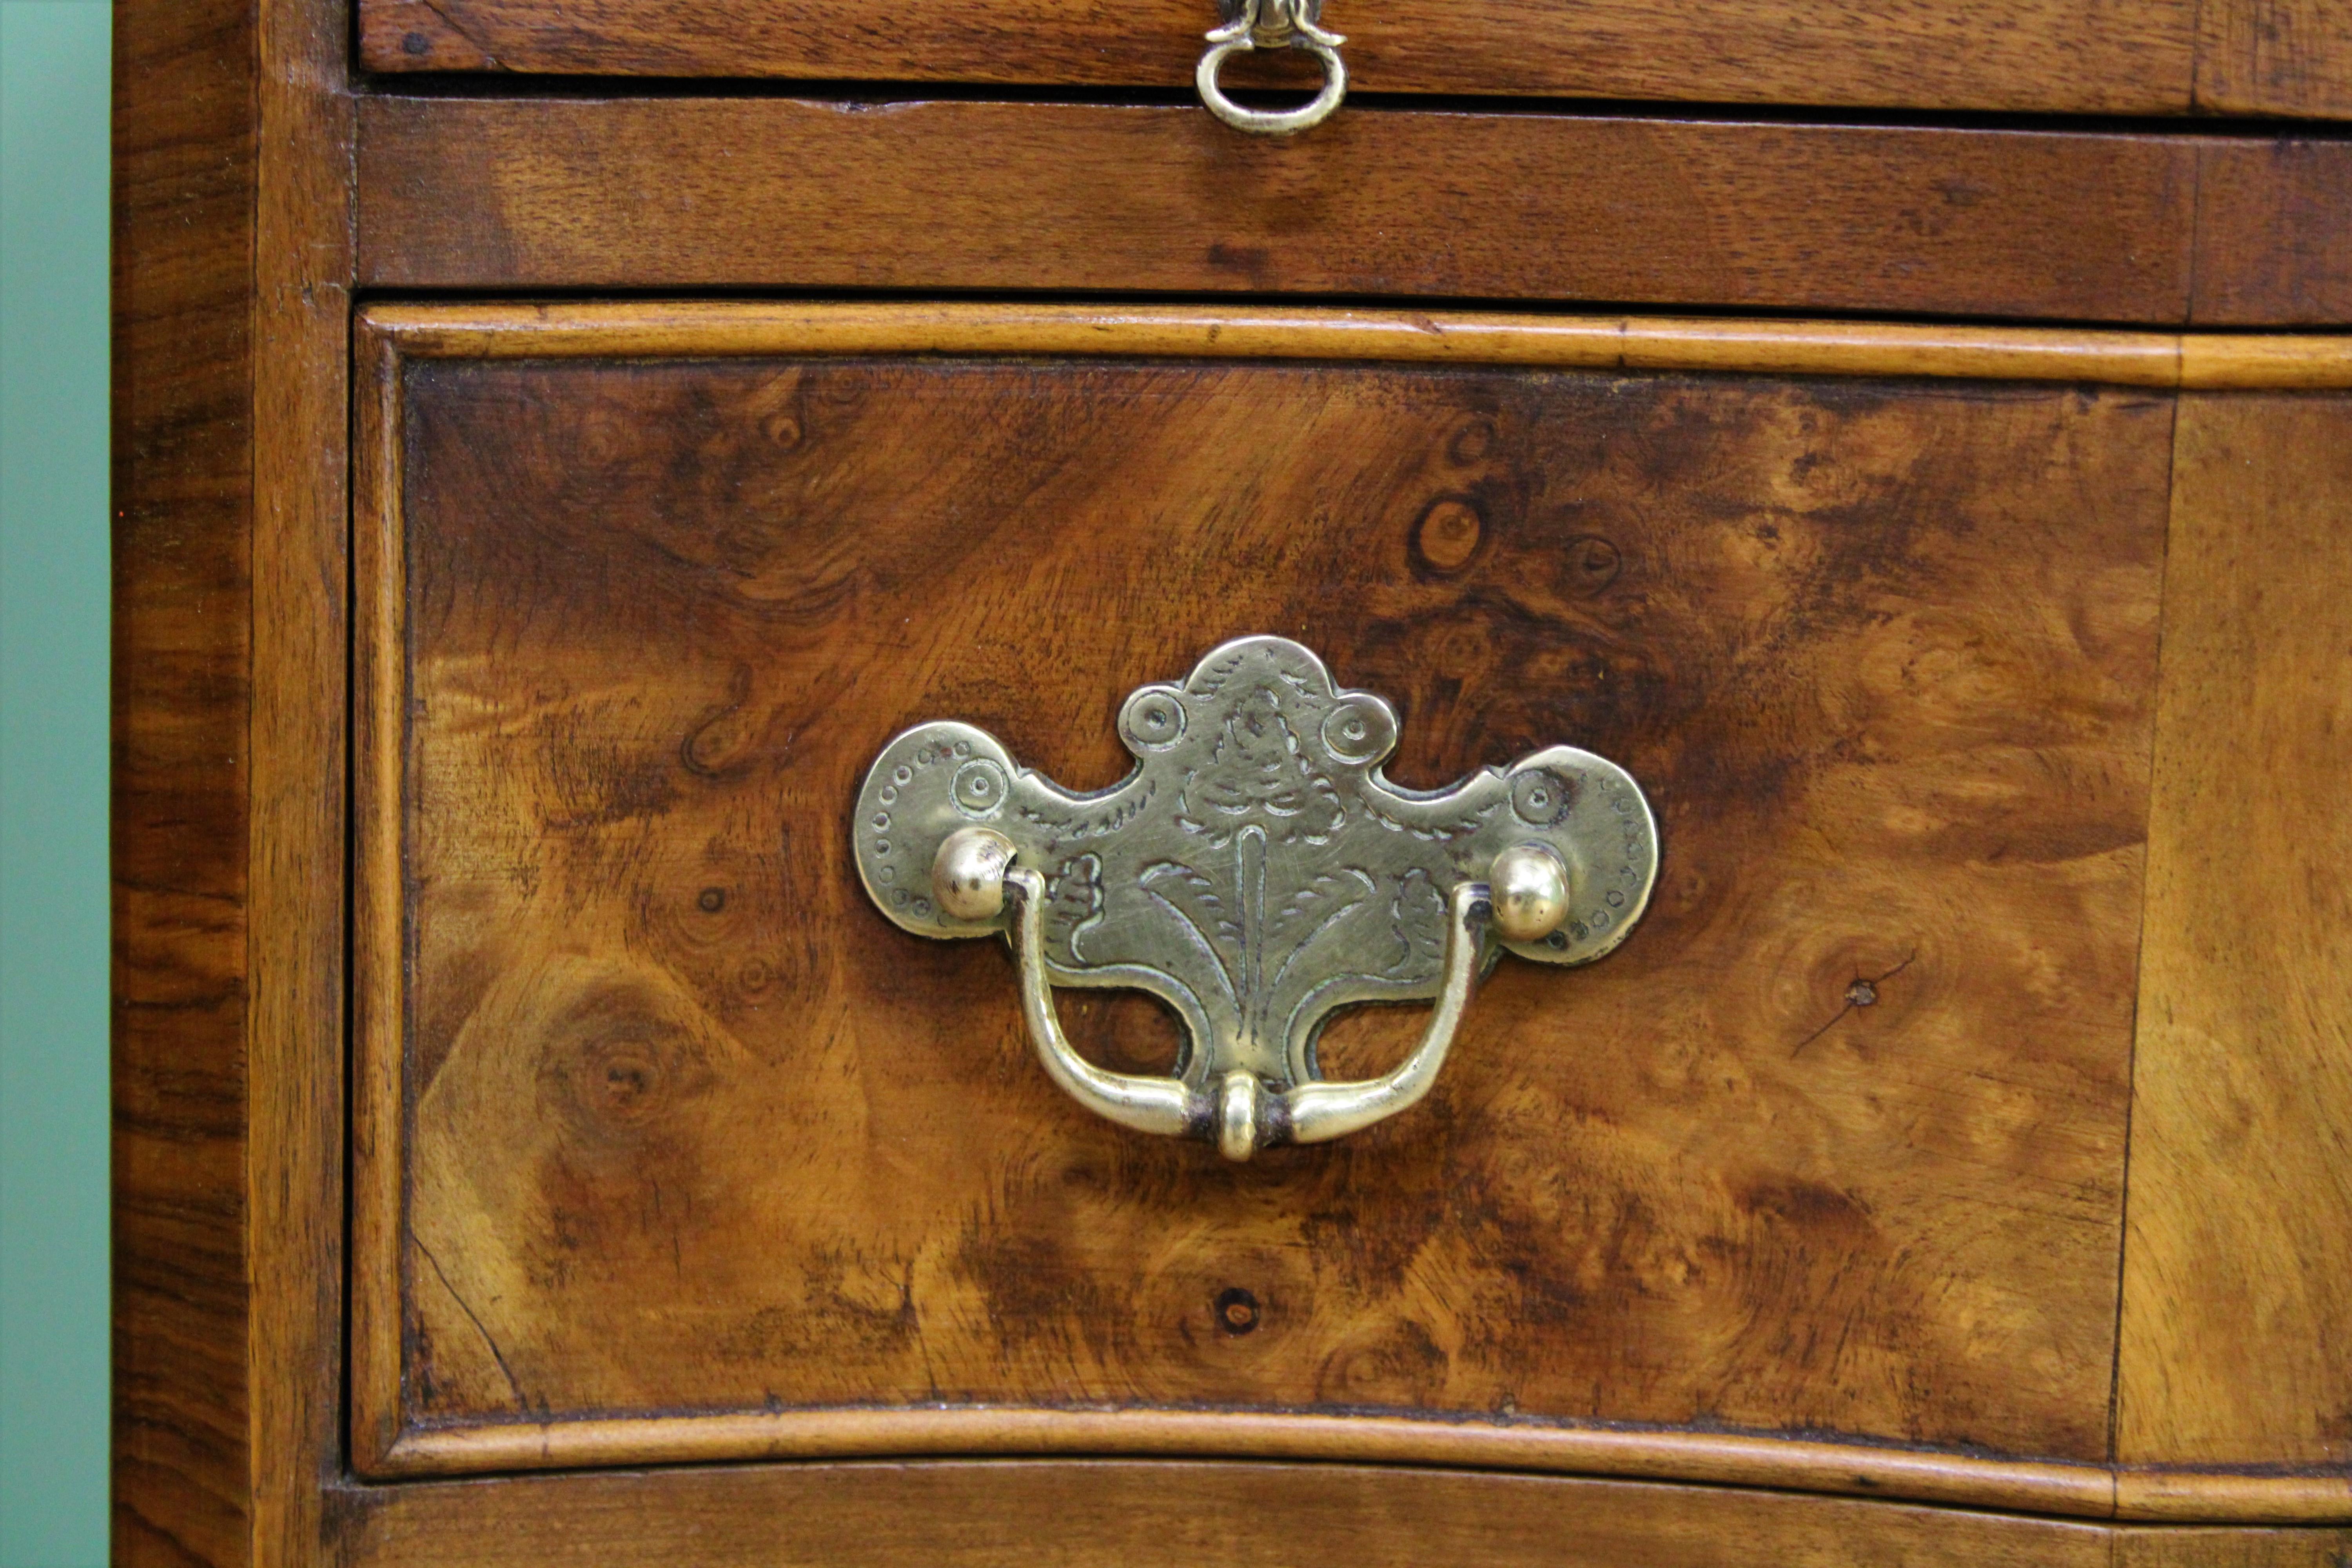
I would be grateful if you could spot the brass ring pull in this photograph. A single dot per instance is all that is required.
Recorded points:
(1257, 873)
(1273, 25)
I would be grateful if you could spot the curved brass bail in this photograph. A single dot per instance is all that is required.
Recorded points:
(1243, 1117)
(1159, 1105)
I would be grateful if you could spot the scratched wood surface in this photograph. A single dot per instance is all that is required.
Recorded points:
(1834, 1143)
(2101, 56)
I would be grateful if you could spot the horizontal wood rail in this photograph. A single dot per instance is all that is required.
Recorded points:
(651, 193)
(2046, 56)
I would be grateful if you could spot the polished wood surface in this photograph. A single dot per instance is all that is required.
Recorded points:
(2275, 233)
(1017, 1513)
(2274, 57)
(736, 329)
(232, 260)
(765, 192)
(256, 191)
(2238, 1276)
(1951, 843)
(299, 847)
(2060, 57)
(182, 493)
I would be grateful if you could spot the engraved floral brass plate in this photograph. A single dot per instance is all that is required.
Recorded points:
(1255, 872)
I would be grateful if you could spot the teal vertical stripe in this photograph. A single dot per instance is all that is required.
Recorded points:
(54, 104)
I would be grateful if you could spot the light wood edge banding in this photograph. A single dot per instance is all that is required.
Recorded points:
(1721, 1459)
(2149, 1494)
(387, 333)
(379, 683)
(2194, 360)
(2088, 1491)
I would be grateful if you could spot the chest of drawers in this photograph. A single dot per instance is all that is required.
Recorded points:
(560, 448)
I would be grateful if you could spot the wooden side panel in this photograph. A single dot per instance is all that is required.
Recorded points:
(1835, 1145)
(185, 173)
(2274, 56)
(1022, 1514)
(690, 192)
(295, 1048)
(2238, 1271)
(2273, 233)
(2096, 56)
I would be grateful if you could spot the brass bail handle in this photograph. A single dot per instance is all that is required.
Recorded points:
(1525, 899)
(1256, 872)
(1273, 25)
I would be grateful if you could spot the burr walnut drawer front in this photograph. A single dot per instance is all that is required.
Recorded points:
(671, 1145)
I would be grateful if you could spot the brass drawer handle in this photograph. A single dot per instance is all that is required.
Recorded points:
(1256, 872)
(1273, 25)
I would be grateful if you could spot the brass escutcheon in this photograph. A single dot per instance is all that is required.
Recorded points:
(1256, 872)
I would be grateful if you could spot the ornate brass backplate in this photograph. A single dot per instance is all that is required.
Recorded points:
(1257, 873)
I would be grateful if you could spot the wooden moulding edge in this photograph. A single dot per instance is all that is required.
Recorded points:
(378, 967)
(386, 333)
(1633, 343)
(2076, 1491)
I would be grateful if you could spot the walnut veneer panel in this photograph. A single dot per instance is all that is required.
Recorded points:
(1835, 1144)
(2238, 1279)
(2105, 57)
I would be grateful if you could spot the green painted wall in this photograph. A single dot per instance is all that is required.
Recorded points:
(53, 669)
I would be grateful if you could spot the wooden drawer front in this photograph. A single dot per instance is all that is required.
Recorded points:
(678, 1134)
(2095, 56)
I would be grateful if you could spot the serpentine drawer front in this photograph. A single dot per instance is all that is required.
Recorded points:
(678, 1137)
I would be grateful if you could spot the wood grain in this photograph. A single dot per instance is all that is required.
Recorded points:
(378, 950)
(2273, 233)
(302, 255)
(735, 329)
(232, 266)
(2237, 1275)
(692, 193)
(1794, 1464)
(2061, 56)
(2274, 57)
(1021, 1513)
(2177, 1547)
(1569, 1234)
(184, 195)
